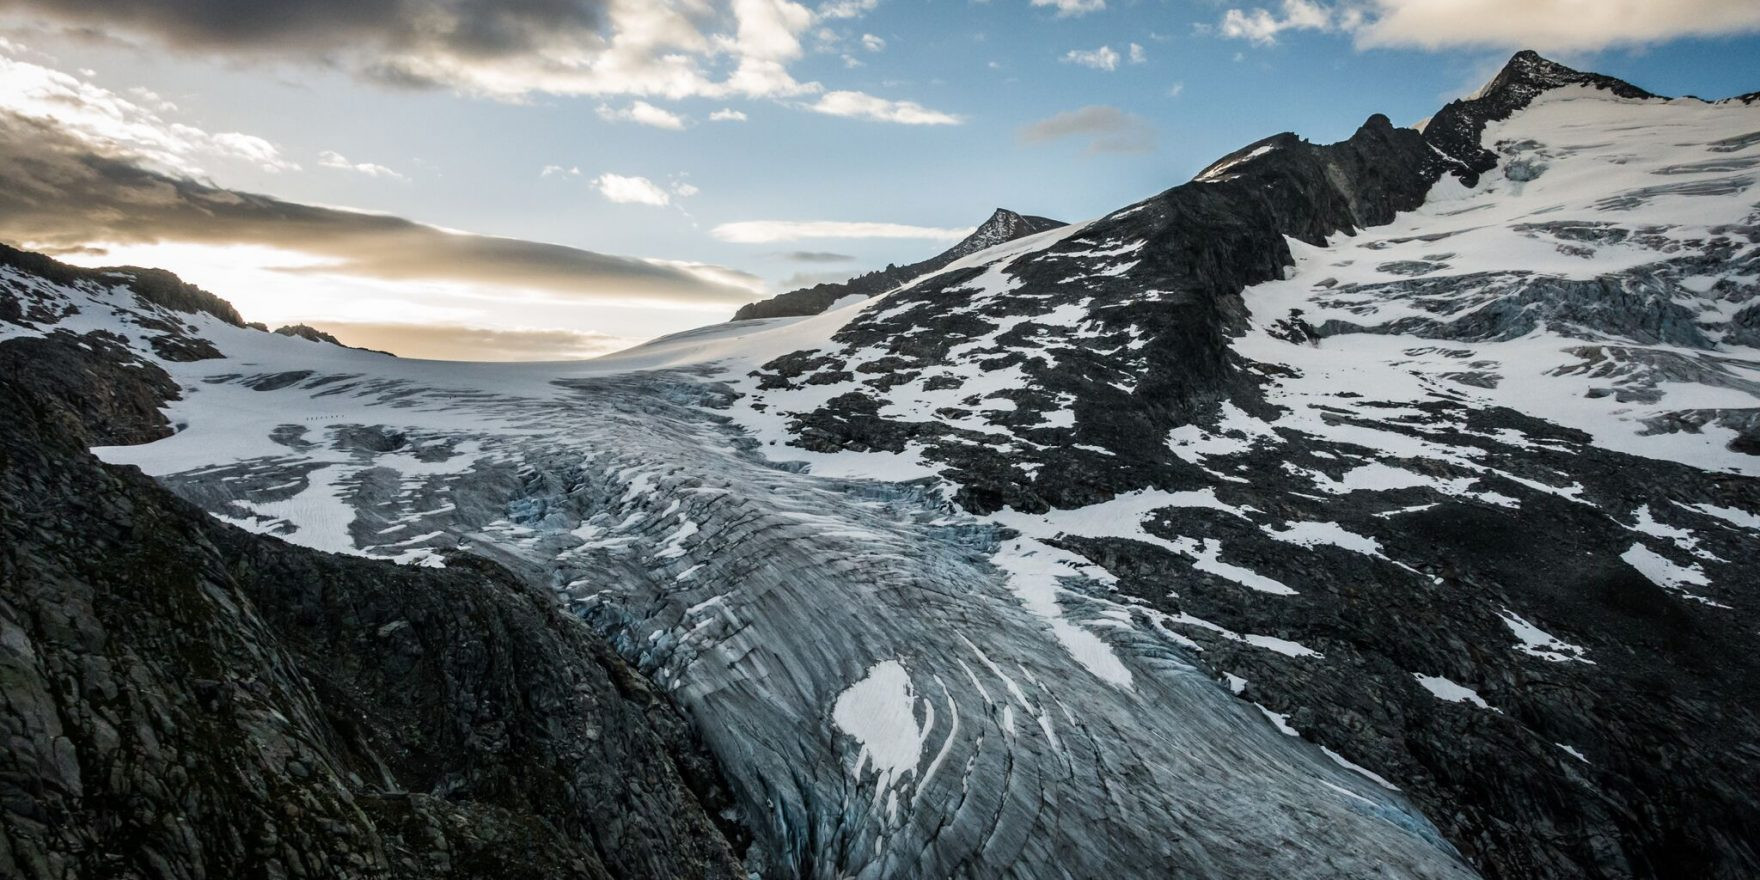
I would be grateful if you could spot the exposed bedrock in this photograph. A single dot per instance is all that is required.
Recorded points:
(182, 700)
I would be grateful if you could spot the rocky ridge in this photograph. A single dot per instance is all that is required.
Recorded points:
(184, 699)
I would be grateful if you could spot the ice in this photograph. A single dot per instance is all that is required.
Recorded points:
(880, 712)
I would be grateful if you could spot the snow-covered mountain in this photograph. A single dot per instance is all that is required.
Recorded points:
(1382, 508)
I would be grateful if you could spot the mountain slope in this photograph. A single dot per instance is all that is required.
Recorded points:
(184, 699)
(1004, 225)
(1351, 510)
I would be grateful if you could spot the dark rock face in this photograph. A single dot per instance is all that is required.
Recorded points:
(313, 334)
(183, 699)
(1003, 225)
(1159, 282)
(307, 332)
(99, 388)
(156, 286)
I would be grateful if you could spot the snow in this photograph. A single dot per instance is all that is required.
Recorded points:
(880, 713)
(1537, 642)
(1597, 150)
(1279, 720)
(1450, 691)
(1282, 646)
(1735, 516)
(1314, 534)
(1207, 558)
(1035, 573)
(1666, 573)
(1358, 768)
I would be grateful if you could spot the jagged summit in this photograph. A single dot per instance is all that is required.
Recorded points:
(1003, 225)
(1456, 128)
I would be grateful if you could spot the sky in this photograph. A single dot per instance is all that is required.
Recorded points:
(546, 179)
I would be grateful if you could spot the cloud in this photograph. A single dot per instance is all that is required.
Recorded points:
(1555, 25)
(114, 122)
(1103, 58)
(1107, 130)
(62, 191)
(460, 342)
(799, 280)
(684, 190)
(642, 113)
(1552, 25)
(764, 231)
(873, 43)
(847, 8)
(506, 49)
(1138, 56)
(816, 257)
(1177, 89)
(1262, 26)
(333, 159)
(559, 171)
(631, 190)
(1066, 8)
(863, 106)
(727, 114)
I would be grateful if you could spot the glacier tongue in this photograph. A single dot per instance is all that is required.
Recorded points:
(886, 701)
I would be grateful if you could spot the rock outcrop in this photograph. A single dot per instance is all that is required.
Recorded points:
(183, 699)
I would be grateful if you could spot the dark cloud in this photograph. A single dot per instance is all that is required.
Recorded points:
(455, 342)
(481, 28)
(57, 193)
(816, 257)
(1106, 129)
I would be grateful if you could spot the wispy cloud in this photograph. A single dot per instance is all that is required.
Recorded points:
(642, 113)
(461, 342)
(727, 114)
(838, 9)
(333, 159)
(864, 106)
(631, 190)
(1262, 25)
(766, 231)
(1103, 58)
(1555, 25)
(1067, 8)
(1106, 129)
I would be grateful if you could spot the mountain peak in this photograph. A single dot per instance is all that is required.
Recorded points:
(1530, 72)
(1003, 225)
(1456, 129)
